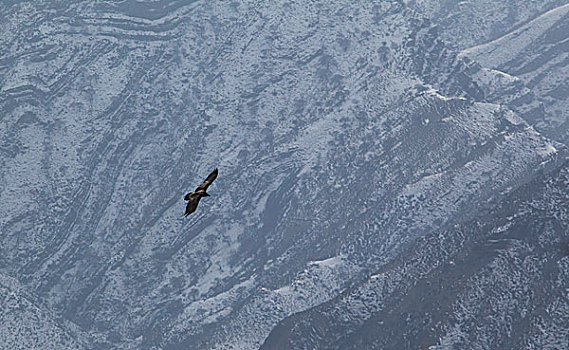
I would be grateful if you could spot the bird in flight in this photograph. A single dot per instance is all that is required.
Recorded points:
(194, 197)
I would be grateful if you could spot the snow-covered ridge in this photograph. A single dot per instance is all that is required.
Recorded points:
(503, 49)
(465, 24)
(535, 54)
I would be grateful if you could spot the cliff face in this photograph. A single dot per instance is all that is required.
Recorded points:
(345, 133)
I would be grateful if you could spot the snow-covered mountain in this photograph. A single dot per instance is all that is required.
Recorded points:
(347, 134)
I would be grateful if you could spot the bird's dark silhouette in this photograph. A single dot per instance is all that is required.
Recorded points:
(194, 197)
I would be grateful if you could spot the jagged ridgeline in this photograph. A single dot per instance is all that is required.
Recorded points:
(364, 156)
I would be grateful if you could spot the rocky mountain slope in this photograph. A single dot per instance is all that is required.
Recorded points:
(344, 132)
(536, 55)
(465, 24)
(498, 281)
(28, 324)
(521, 48)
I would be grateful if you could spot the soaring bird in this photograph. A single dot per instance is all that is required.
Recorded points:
(194, 197)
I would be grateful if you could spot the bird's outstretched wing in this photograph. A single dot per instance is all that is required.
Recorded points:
(193, 198)
(192, 204)
(207, 181)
